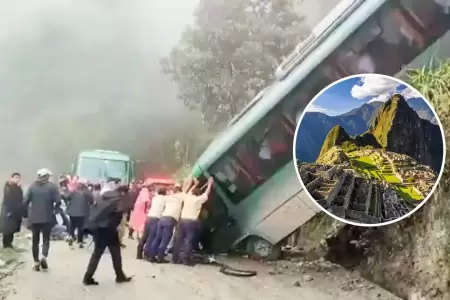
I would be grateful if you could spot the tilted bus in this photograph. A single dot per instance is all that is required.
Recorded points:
(257, 200)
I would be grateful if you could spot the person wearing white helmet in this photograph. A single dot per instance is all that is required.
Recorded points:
(43, 196)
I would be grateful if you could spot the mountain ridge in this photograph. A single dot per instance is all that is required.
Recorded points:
(392, 129)
(316, 125)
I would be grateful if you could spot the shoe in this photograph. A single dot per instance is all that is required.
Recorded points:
(89, 281)
(150, 259)
(139, 256)
(188, 263)
(70, 242)
(44, 264)
(123, 279)
(162, 261)
(81, 245)
(37, 266)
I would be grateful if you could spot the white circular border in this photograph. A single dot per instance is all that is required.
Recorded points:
(435, 184)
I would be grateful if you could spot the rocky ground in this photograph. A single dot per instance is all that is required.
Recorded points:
(293, 278)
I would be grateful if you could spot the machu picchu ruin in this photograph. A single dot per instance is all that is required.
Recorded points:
(348, 195)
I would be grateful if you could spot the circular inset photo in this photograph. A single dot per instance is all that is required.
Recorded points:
(369, 150)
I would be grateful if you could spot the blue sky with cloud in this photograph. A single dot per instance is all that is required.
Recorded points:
(354, 92)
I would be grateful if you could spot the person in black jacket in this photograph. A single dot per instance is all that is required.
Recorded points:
(104, 219)
(12, 210)
(78, 204)
(44, 197)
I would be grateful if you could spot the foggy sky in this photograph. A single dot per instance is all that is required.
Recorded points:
(70, 62)
(75, 57)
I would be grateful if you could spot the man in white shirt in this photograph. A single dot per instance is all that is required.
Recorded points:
(188, 225)
(169, 219)
(151, 224)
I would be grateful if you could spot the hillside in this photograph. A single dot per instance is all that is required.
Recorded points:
(392, 130)
(339, 137)
(398, 128)
(315, 125)
(333, 156)
(422, 109)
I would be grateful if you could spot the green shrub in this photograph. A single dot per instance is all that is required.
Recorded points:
(348, 146)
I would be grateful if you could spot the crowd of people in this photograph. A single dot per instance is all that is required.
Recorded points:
(164, 219)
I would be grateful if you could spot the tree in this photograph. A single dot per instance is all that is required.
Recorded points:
(230, 53)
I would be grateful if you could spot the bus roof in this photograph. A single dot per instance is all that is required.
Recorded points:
(284, 86)
(105, 154)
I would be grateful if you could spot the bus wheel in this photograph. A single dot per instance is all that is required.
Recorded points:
(261, 249)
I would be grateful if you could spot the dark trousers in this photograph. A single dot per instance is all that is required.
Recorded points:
(196, 242)
(36, 230)
(130, 230)
(105, 238)
(77, 223)
(151, 226)
(8, 240)
(162, 239)
(184, 240)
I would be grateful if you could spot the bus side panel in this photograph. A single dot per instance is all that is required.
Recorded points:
(282, 186)
(286, 219)
(282, 200)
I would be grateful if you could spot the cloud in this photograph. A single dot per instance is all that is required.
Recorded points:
(409, 93)
(317, 108)
(373, 85)
(382, 98)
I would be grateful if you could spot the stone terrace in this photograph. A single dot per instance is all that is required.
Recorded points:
(347, 195)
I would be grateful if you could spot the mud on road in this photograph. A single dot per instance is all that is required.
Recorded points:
(285, 280)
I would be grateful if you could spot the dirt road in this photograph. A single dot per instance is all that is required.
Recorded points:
(161, 282)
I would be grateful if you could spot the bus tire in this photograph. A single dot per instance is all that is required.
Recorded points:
(261, 249)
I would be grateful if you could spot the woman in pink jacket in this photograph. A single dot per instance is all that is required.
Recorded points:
(140, 209)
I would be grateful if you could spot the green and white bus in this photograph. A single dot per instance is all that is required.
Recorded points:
(257, 201)
(97, 165)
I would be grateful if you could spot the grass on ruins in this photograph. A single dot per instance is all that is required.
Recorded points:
(365, 165)
(408, 193)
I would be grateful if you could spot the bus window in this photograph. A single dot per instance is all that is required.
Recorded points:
(231, 176)
(295, 103)
(255, 158)
(402, 28)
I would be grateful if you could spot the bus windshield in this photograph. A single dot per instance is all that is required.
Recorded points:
(96, 169)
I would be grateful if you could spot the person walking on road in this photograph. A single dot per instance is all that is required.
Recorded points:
(78, 204)
(103, 223)
(63, 191)
(42, 197)
(189, 223)
(125, 206)
(140, 210)
(135, 190)
(151, 224)
(12, 210)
